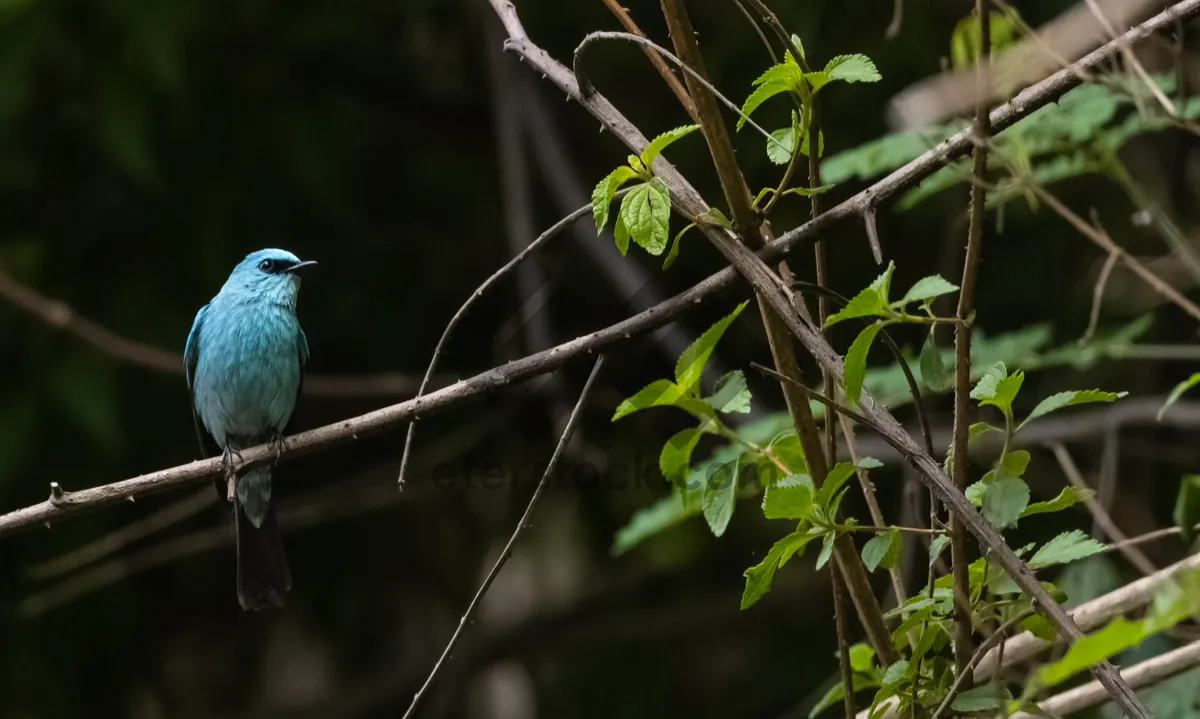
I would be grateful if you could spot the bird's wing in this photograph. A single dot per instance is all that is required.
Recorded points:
(191, 356)
(302, 347)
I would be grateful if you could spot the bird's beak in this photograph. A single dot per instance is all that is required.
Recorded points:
(299, 266)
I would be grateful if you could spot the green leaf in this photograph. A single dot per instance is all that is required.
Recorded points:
(714, 216)
(798, 45)
(975, 492)
(820, 144)
(1176, 393)
(926, 288)
(1066, 547)
(837, 476)
(1004, 500)
(621, 236)
(852, 68)
(937, 546)
(978, 430)
(895, 673)
(1187, 507)
(883, 550)
(720, 491)
(855, 368)
(862, 658)
(808, 191)
(784, 77)
(789, 498)
(759, 577)
(656, 394)
(660, 143)
(868, 463)
(1069, 399)
(602, 196)
(1119, 635)
(883, 283)
(1011, 466)
(649, 521)
(781, 145)
(646, 211)
(1068, 497)
(867, 303)
(934, 372)
(673, 254)
(986, 387)
(676, 456)
(691, 363)
(730, 394)
(980, 699)
(830, 538)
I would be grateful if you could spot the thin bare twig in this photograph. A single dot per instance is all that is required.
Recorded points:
(550, 233)
(839, 624)
(962, 343)
(61, 316)
(521, 525)
(1097, 296)
(1099, 513)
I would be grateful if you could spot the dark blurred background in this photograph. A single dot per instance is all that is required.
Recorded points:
(147, 146)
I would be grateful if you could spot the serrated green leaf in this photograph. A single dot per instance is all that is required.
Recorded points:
(820, 143)
(852, 68)
(862, 658)
(649, 521)
(1069, 399)
(830, 538)
(621, 235)
(934, 372)
(673, 254)
(986, 387)
(798, 45)
(789, 498)
(730, 394)
(714, 216)
(867, 303)
(837, 476)
(1116, 636)
(786, 448)
(656, 394)
(808, 191)
(817, 80)
(937, 546)
(1177, 392)
(868, 463)
(895, 673)
(883, 550)
(720, 492)
(1066, 547)
(676, 456)
(855, 368)
(646, 211)
(784, 77)
(1187, 507)
(691, 363)
(781, 144)
(1011, 466)
(926, 288)
(759, 577)
(1004, 500)
(660, 143)
(602, 195)
(1068, 497)
(980, 699)
(974, 492)
(883, 283)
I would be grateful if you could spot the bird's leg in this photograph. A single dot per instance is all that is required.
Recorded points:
(279, 443)
(230, 471)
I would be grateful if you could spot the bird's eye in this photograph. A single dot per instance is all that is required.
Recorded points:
(266, 265)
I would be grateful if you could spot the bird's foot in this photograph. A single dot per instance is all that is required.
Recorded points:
(278, 443)
(230, 471)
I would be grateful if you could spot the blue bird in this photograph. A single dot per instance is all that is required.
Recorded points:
(244, 363)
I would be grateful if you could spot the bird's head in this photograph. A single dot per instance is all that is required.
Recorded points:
(268, 275)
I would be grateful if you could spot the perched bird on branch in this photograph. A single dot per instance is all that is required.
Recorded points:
(244, 361)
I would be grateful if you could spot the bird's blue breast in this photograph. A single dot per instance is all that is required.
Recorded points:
(248, 370)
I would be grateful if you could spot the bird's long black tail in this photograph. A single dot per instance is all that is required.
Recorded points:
(263, 573)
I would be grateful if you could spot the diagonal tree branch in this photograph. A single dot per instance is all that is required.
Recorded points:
(60, 315)
(354, 428)
(751, 267)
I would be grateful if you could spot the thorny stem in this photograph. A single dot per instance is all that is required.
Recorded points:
(747, 227)
(668, 75)
(962, 346)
